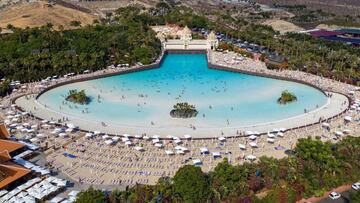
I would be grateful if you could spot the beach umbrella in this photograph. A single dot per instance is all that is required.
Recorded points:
(270, 135)
(187, 136)
(326, 125)
(252, 137)
(253, 144)
(347, 118)
(196, 161)
(241, 146)
(216, 154)
(126, 135)
(88, 135)
(155, 141)
(249, 132)
(280, 134)
(204, 150)
(250, 157)
(270, 140)
(138, 136)
(346, 131)
(221, 139)
(339, 133)
(155, 136)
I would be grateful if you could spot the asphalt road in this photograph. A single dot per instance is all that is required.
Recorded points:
(343, 199)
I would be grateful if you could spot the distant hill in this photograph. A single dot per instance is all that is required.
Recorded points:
(341, 7)
(39, 13)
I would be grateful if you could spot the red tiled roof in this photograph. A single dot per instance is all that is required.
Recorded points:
(4, 133)
(10, 146)
(12, 173)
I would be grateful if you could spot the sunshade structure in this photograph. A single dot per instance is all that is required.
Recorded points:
(197, 162)
(204, 150)
(250, 157)
(253, 144)
(242, 146)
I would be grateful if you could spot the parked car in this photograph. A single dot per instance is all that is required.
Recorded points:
(334, 195)
(356, 186)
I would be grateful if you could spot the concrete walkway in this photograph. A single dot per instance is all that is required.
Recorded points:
(335, 105)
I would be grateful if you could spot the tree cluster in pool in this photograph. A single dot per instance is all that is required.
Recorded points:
(287, 97)
(183, 110)
(78, 97)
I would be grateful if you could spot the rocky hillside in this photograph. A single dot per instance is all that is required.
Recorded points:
(349, 7)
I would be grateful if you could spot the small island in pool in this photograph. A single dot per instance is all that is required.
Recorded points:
(183, 110)
(287, 97)
(78, 97)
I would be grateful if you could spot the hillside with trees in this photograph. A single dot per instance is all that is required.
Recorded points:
(32, 54)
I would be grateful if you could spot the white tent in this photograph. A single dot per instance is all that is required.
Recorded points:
(108, 142)
(339, 133)
(180, 152)
(88, 135)
(280, 134)
(155, 141)
(249, 132)
(221, 139)
(138, 136)
(346, 131)
(126, 135)
(105, 137)
(138, 148)
(216, 154)
(326, 125)
(187, 136)
(241, 146)
(155, 136)
(250, 157)
(204, 150)
(348, 118)
(124, 139)
(252, 137)
(159, 145)
(169, 152)
(270, 140)
(253, 144)
(115, 139)
(196, 161)
(270, 135)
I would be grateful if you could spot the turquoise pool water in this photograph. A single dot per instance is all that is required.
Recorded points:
(223, 99)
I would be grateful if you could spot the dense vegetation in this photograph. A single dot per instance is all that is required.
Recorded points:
(183, 110)
(77, 97)
(315, 168)
(286, 97)
(36, 53)
(326, 58)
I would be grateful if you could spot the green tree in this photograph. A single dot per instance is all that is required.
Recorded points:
(192, 184)
(354, 197)
(91, 195)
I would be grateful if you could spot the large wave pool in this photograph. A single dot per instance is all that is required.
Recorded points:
(145, 99)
